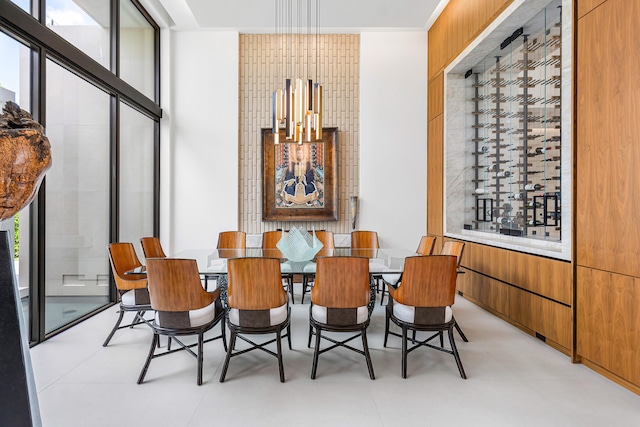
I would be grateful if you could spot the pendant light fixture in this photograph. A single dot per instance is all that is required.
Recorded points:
(297, 105)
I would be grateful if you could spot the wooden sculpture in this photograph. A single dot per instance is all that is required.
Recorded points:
(25, 156)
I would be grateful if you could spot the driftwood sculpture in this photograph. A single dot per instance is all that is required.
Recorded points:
(25, 156)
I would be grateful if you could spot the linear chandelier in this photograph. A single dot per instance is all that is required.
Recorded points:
(297, 106)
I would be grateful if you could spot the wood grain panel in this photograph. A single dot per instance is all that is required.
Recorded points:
(548, 318)
(548, 277)
(485, 290)
(435, 170)
(585, 6)
(608, 321)
(488, 260)
(435, 104)
(458, 24)
(608, 129)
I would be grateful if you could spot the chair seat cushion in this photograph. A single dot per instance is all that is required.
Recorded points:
(339, 316)
(422, 315)
(188, 319)
(377, 266)
(135, 297)
(392, 279)
(259, 318)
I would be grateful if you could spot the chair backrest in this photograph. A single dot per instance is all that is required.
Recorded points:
(427, 281)
(328, 245)
(152, 248)
(364, 243)
(451, 247)
(341, 282)
(232, 240)
(232, 244)
(174, 285)
(123, 258)
(269, 242)
(255, 284)
(426, 245)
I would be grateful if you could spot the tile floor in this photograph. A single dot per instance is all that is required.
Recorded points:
(513, 380)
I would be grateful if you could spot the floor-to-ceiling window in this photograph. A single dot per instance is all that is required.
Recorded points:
(14, 87)
(88, 71)
(77, 197)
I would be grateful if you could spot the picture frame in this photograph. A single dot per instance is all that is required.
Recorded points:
(300, 181)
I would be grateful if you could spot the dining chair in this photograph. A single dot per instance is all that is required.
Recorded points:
(422, 302)
(269, 241)
(328, 249)
(232, 243)
(256, 304)
(425, 247)
(364, 243)
(152, 248)
(132, 288)
(340, 302)
(182, 307)
(456, 248)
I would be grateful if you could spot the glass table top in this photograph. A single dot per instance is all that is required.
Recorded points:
(214, 261)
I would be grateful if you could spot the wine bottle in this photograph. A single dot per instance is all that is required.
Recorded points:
(482, 150)
(480, 191)
(517, 196)
(534, 223)
(504, 174)
(533, 204)
(533, 187)
(503, 220)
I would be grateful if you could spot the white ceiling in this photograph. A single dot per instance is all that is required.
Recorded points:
(336, 16)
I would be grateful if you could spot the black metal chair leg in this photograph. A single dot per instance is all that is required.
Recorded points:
(386, 327)
(464, 338)
(232, 344)
(365, 347)
(279, 347)
(223, 332)
(115, 328)
(404, 352)
(289, 335)
(310, 335)
(154, 344)
(456, 355)
(200, 356)
(316, 353)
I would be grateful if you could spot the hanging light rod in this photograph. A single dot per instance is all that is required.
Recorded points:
(297, 107)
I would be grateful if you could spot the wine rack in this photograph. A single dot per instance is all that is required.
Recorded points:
(513, 133)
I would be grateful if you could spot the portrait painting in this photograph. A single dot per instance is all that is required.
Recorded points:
(299, 180)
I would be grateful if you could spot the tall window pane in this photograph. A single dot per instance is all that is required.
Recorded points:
(136, 176)
(14, 86)
(87, 28)
(77, 197)
(23, 4)
(136, 49)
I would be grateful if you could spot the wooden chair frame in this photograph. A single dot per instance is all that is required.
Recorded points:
(425, 290)
(250, 272)
(342, 291)
(169, 276)
(122, 258)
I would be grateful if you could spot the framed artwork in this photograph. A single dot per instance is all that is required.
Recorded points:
(300, 181)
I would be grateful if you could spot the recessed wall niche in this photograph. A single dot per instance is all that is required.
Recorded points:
(508, 133)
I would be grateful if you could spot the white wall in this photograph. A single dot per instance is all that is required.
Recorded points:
(199, 155)
(393, 136)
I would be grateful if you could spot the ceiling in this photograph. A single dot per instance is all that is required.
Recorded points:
(258, 16)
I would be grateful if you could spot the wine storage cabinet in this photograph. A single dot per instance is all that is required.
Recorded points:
(513, 132)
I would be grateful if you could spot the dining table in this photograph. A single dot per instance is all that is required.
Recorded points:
(384, 263)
